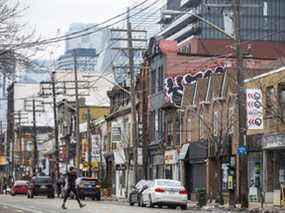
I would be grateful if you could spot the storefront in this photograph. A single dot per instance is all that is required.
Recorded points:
(255, 167)
(171, 165)
(274, 166)
(156, 164)
(196, 167)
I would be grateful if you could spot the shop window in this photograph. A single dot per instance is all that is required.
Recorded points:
(168, 172)
(269, 101)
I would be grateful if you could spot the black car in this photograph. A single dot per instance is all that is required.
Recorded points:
(88, 187)
(41, 186)
(135, 195)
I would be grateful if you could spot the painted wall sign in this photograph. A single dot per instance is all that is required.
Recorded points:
(254, 109)
(174, 86)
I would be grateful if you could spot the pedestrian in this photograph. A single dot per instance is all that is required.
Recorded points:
(71, 177)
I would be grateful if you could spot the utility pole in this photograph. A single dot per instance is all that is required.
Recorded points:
(34, 107)
(52, 89)
(89, 140)
(19, 118)
(133, 97)
(78, 142)
(55, 125)
(35, 147)
(242, 160)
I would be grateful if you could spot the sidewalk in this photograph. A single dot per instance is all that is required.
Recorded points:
(253, 207)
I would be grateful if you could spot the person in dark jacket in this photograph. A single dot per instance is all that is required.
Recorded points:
(71, 177)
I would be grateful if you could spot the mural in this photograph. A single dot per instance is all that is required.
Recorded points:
(173, 86)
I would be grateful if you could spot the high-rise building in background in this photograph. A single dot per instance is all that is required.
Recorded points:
(86, 45)
(260, 20)
(113, 60)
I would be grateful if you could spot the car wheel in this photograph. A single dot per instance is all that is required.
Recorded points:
(31, 195)
(172, 207)
(13, 194)
(184, 207)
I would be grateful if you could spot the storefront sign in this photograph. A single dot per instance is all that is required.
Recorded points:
(170, 157)
(254, 109)
(273, 141)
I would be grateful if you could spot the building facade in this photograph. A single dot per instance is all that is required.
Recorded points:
(266, 159)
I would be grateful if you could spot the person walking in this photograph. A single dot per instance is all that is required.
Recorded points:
(71, 177)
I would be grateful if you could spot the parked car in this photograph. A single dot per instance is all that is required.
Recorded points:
(19, 187)
(88, 187)
(164, 192)
(135, 194)
(41, 185)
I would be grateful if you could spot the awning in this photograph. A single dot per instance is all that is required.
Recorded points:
(119, 157)
(183, 151)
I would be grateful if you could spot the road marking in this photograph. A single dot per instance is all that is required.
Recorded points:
(22, 209)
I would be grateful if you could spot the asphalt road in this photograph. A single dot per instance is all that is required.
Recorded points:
(20, 204)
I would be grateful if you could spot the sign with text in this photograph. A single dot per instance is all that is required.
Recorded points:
(254, 109)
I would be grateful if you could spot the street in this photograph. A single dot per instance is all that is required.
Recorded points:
(9, 204)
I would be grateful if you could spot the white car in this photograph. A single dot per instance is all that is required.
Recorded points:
(164, 192)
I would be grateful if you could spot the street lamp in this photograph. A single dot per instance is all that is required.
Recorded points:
(211, 24)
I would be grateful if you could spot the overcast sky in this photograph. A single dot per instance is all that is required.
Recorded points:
(47, 16)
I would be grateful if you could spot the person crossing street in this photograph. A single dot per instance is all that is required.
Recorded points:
(71, 178)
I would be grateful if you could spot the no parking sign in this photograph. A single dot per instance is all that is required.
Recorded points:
(254, 109)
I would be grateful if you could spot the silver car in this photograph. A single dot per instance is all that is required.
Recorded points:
(164, 192)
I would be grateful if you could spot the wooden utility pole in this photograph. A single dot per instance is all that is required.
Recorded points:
(133, 97)
(34, 107)
(89, 141)
(78, 142)
(55, 125)
(242, 160)
(35, 147)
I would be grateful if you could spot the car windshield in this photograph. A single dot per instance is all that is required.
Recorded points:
(20, 183)
(88, 182)
(168, 183)
(42, 180)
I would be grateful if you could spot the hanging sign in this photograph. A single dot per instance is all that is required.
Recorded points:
(254, 109)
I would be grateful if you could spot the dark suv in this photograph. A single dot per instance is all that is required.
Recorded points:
(88, 187)
(41, 185)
